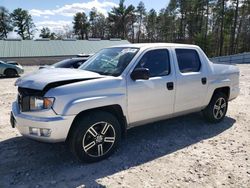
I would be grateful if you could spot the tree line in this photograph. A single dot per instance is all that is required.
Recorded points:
(219, 27)
(19, 21)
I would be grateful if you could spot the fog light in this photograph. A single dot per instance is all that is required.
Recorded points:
(45, 132)
(34, 131)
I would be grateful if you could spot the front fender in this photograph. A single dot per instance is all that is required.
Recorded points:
(76, 106)
(3, 70)
(9, 67)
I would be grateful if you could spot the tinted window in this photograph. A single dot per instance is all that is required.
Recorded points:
(188, 60)
(63, 64)
(78, 63)
(157, 61)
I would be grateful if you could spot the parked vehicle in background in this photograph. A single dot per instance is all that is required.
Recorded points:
(10, 69)
(84, 55)
(73, 63)
(119, 88)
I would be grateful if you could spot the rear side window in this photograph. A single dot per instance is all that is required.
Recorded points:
(157, 61)
(188, 60)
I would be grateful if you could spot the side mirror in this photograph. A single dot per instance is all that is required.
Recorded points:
(140, 74)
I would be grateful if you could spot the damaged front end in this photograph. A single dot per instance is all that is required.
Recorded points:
(33, 99)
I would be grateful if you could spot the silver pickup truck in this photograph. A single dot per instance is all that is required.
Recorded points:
(118, 88)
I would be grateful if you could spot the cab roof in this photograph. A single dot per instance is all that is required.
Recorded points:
(152, 45)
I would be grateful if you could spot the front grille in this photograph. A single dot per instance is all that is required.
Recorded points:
(24, 103)
(24, 95)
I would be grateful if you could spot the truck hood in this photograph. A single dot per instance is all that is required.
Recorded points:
(49, 78)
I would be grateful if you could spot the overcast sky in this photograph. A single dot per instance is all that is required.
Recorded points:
(55, 14)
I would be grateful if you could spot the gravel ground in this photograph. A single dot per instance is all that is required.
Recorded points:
(180, 152)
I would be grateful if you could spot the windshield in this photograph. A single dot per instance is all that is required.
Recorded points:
(110, 61)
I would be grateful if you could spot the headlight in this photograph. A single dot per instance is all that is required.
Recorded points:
(40, 103)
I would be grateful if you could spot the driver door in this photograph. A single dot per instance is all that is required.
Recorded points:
(152, 99)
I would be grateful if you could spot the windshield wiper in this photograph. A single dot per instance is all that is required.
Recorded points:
(100, 72)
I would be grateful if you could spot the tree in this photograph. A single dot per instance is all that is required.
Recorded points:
(119, 19)
(65, 33)
(93, 14)
(182, 6)
(222, 14)
(68, 33)
(243, 34)
(97, 24)
(151, 25)
(131, 26)
(101, 26)
(23, 23)
(46, 33)
(163, 22)
(233, 30)
(206, 27)
(81, 25)
(5, 23)
(141, 14)
(171, 24)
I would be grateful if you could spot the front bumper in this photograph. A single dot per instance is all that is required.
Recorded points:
(20, 71)
(58, 125)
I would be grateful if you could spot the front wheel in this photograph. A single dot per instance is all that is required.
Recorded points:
(9, 73)
(217, 108)
(95, 136)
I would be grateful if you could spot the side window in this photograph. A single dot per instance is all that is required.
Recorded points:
(157, 61)
(188, 60)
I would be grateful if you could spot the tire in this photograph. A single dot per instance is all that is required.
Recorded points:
(217, 108)
(9, 73)
(94, 136)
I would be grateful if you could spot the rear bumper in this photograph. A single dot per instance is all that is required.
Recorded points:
(58, 125)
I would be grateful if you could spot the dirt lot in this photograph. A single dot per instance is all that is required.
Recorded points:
(181, 152)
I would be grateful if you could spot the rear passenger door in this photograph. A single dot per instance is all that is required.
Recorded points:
(191, 84)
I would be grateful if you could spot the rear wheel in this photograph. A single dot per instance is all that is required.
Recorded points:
(217, 108)
(95, 136)
(10, 73)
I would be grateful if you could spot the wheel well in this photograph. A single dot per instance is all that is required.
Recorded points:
(9, 69)
(116, 110)
(224, 90)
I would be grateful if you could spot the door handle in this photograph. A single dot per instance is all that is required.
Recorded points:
(204, 80)
(170, 85)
